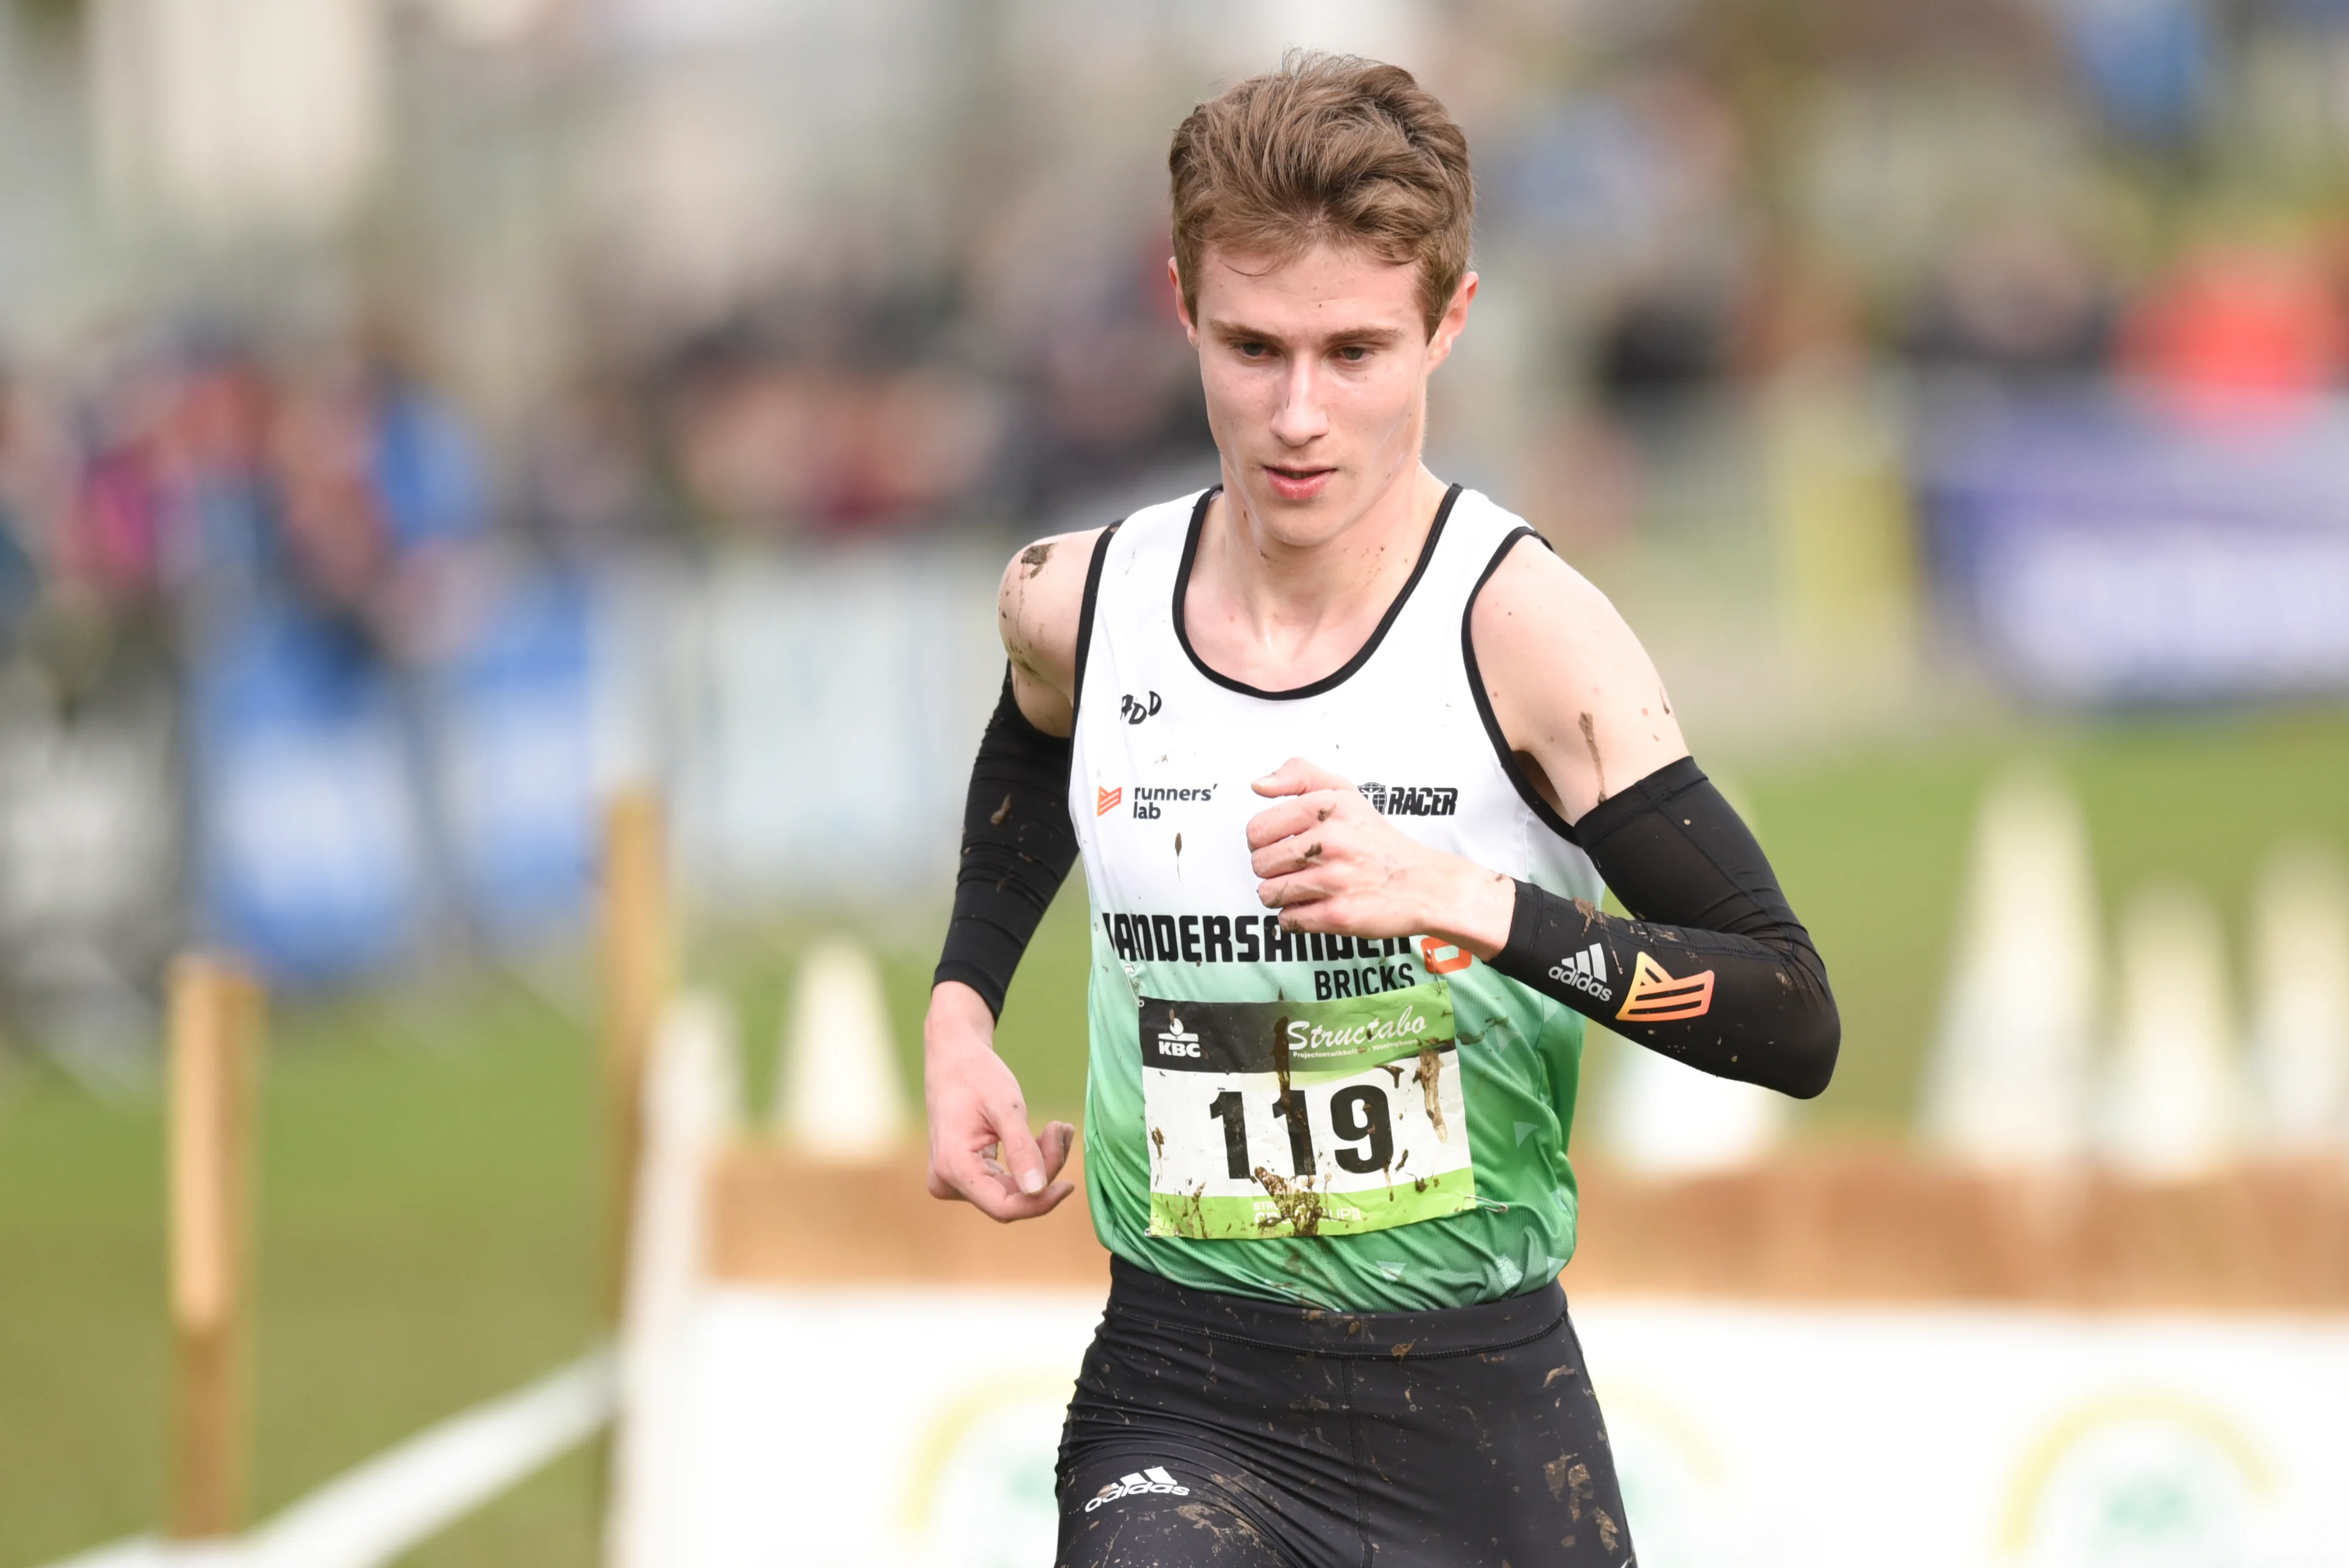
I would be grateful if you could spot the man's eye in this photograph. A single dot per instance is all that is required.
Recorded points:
(1353, 353)
(1251, 350)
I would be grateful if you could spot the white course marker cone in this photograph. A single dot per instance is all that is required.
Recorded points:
(692, 1095)
(1665, 1118)
(2007, 1083)
(839, 1095)
(2300, 1012)
(2173, 1101)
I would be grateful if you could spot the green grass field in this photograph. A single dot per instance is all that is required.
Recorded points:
(428, 1225)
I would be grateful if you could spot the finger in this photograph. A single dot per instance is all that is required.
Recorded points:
(1059, 1138)
(940, 1187)
(1306, 852)
(1292, 891)
(1330, 917)
(1007, 1206)
(975, 1177)
(1298, 776)
(1293, 816)
(997, 1196)
(1044, 1203)
(1314, 915)
(961, 1175)
(1021, 1157)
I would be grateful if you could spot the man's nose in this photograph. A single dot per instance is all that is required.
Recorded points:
(1301, 417)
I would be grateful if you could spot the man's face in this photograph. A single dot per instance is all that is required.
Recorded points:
(1316, 374)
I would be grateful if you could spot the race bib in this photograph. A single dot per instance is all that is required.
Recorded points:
(1304, 1118)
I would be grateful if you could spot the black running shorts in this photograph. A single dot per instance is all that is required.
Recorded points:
(1218, 1430)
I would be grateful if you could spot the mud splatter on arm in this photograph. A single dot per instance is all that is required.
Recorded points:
(1590, 740)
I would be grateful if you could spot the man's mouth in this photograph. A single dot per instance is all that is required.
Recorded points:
(1297, 482)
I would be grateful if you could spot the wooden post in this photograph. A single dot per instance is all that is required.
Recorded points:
(215, 1035)
(634, 932)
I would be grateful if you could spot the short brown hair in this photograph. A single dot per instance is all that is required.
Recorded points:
(1327, 148)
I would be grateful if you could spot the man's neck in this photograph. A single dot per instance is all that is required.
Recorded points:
(1277, 613)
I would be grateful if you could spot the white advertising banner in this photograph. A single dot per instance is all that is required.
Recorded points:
(886, 1428)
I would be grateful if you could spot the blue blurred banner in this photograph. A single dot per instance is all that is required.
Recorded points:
(810, 722)
(2104, 552)
(306, 827)
(350, 808)
(516, 711)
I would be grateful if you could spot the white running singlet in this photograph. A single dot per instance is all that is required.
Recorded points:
(1365, 1125)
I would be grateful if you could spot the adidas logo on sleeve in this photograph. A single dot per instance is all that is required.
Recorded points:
(1585, 971)
(1154, 1479)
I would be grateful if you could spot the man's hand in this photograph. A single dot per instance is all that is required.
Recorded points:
(1332, 864)
(981, 1147)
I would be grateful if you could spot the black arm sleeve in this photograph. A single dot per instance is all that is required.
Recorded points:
(1017, 848)
(1715, 972)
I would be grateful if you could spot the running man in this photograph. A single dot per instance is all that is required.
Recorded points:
(1348, 753)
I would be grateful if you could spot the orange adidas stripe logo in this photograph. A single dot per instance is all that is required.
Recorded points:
(1656, 997)
(1105, 800)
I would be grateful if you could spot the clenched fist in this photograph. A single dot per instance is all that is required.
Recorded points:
(1329, 863)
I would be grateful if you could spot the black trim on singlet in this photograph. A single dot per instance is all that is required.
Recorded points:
(1541, 808)
(1336, 677)
(1085, 616)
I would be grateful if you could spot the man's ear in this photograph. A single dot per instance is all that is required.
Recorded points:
(1182, 310)
(1453, 323)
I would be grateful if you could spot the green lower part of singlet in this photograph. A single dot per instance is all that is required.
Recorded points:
(1399, 1151)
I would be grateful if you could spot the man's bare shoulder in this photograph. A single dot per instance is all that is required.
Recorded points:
(1569, 683)
(1037, 608)
(1534, 587)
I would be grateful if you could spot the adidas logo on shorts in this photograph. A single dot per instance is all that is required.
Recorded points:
(1154, 1479)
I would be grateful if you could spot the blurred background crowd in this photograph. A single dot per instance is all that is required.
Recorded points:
(417, 415)
(1863, 350)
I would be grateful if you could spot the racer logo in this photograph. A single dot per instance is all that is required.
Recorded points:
(1585, 971)
(1105, 800)
(1411, 800)
(1135, 710)
(1154, 1479)
(1656, 997)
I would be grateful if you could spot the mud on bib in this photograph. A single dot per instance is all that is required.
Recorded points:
(1304, 1118)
